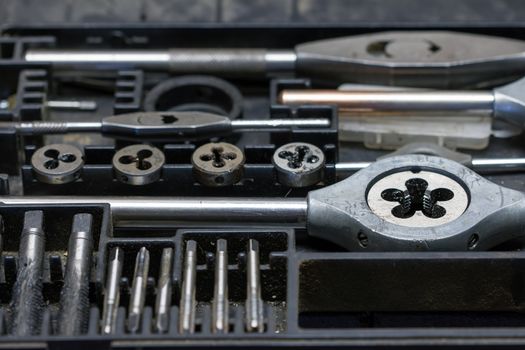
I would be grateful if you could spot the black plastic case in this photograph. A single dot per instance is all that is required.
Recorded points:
(316, 294)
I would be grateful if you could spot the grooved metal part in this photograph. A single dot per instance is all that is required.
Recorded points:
(138, 164)
(423, 216)
(57, 163)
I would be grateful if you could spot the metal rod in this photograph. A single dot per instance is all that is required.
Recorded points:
(66, 105)
(27, 299)
(163, 300)
(480, 165)
(73, 315)
(64, 127)
(220, 316)
(498, 165)
(183, 211)
(138, 290)
(72, 105)
(112, 291)
(226, 62)
(272, 124)
(254, 304)
(187, 299)
(408, 102)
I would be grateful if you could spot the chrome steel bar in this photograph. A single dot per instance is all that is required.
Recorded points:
(112, 291)
(138, 290)
(254, 304)
(229, 62)
(482, 166)
(163, 300)
(396, 102)
(220, 316)
(187, 299)
(185, 211)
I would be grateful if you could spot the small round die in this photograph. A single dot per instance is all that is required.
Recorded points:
(218, 164)
(299, 164)
(57, 163)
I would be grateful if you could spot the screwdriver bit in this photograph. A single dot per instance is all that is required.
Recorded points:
(138, 290)
(73, 314)
(112, 291)
(254, 303)
(27, 299)
(187, 299)
(220, 316)
(163, 300)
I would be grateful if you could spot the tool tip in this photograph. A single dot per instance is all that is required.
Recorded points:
(253, 244)
(34, 219)
(82, 224)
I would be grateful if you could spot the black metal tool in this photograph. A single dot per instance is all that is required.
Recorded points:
(73, 314)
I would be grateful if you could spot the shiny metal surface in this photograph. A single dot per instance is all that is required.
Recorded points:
(164, 288)
(239, 125)
(402, 58)
(73, 315)
(27, 299)
(112, 291)
(164, 125)
(138, 291)
(479, 165)
(72, 105)
(226, 62)
(220, 322)
(299, 164)
(395, 102)
(254, 308)
(187, 303)
(218, 164)
(138, 165)
(184, 211)
(57, 163)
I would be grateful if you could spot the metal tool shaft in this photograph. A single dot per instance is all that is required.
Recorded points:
(73, 315)
(184, 125)
(220, 317)
(138, 290)
(254, 304)
(507, 102)
(27, 299)
(228, 62)
(164, 290)
(417, 103)
(480, 165)
(112, 291)
(188, 289)
(183, 211)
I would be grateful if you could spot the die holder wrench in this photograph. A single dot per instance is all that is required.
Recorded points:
(484, 212)
(168, 125)
(407, 58)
